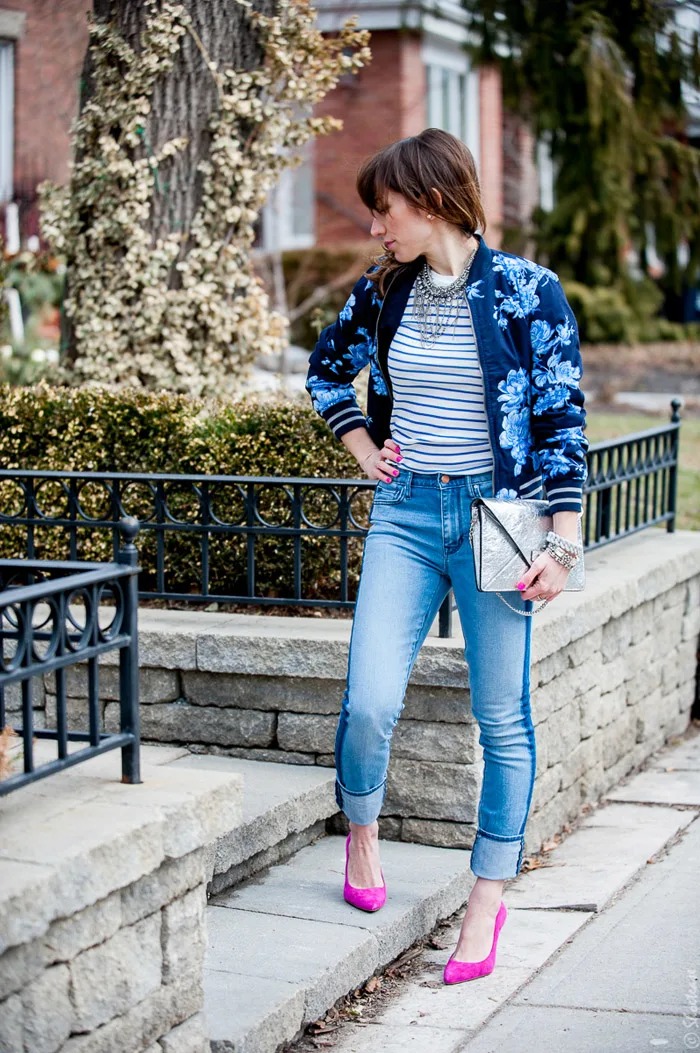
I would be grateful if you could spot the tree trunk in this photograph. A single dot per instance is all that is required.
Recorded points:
(182, 104)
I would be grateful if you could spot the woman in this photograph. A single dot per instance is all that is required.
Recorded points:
(473, 391)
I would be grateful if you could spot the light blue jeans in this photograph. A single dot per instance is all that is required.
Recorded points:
(417, 548)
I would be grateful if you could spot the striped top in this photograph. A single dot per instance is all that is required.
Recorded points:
(438, 416)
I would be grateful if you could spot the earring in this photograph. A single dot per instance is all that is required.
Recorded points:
(429, 216)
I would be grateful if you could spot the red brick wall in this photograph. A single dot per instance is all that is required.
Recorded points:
(385, 101)
(491, 166)
(48, 61)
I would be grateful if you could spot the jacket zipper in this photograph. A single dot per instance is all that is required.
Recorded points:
(478, 358)
(376, 336)
(483, 382)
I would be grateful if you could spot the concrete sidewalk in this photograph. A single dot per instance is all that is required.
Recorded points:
(600, 952)
(627, 983)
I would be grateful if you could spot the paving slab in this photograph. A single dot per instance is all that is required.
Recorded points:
(266, 784)
(680, 786)
(423, 884)
(550, 1030)
(685, 756)
(396, 1038)
(529, 939)
(266, 1012)
(650, 923)
(283, 807)
(291, 925)
(602, 855)
(326, 961)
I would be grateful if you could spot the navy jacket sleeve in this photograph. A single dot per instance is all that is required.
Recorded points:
(558, 415)
(342, 350)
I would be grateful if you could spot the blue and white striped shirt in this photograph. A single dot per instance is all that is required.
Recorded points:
(438, 416)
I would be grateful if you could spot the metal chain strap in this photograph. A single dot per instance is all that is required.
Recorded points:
(525, 614)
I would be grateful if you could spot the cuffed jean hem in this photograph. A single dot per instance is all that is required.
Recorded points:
(496, 859)
(361, 808)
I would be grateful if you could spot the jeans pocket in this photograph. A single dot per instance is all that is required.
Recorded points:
(393, 492)
(484, 488)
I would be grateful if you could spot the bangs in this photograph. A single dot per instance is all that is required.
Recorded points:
(376, 178)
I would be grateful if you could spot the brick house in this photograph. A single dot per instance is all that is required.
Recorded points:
(42, 44)
(419, 76)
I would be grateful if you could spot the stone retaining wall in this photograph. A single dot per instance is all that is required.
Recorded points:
(613, 676)
(102, 898)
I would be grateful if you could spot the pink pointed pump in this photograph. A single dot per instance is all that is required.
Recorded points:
(456, 972)
(364, 898)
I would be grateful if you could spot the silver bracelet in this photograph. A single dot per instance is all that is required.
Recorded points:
(564, 542)
(567, 559)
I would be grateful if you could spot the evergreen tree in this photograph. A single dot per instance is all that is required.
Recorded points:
(602, 81)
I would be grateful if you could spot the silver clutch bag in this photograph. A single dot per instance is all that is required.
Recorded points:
(507, 537)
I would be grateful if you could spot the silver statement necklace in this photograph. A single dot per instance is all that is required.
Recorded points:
(434, 305)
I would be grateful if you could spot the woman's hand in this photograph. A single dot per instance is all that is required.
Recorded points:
(377, 464)
(544, 580)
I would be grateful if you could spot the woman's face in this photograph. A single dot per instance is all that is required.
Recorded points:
(401, 227)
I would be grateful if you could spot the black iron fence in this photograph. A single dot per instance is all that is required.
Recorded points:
(54, 614)
(282, 541)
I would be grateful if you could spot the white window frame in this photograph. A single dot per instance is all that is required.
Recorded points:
(446, 58)
(545, 173)
(7, 119)
(277, 229)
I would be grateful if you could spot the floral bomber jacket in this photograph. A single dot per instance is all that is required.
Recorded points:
(528, 347)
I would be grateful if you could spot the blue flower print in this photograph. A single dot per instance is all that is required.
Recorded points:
(473, 292)
(516, 436)
(523, 276)
(504, 494)
(515, 390)
(555, 380)
(544, 339)
(325, 394)
(556, 462)
(378, 382)
(569, 455)
(516, 268)
(541, 336)
(346, 313)
(576, 436)
(375, 298)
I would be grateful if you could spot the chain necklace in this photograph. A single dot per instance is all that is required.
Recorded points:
(429, 298)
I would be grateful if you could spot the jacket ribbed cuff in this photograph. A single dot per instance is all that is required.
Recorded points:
(344, 416)
(564, 495)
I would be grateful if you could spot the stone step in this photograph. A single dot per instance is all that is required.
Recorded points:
(285, 807)
(282, 949)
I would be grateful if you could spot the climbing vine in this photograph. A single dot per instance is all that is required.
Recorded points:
(183, 311)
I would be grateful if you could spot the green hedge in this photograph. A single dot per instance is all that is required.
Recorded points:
(613, 316)
(93, 429)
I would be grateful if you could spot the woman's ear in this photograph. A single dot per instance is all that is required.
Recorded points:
(438, 195)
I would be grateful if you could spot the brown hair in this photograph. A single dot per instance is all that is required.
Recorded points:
(413, 166)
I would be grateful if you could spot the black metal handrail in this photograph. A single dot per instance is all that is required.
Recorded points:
(40, 633)
(631, 484)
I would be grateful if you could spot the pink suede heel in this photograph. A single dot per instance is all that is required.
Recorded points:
(364, 898)
(455, 972)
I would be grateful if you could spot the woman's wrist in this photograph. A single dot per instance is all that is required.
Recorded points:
(566, 524)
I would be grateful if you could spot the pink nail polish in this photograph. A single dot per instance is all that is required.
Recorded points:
(399, 458)
(395, 471)
(521, 585)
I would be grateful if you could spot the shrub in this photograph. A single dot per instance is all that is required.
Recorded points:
(96, 429)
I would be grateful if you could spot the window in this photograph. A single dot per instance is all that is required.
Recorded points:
(453, 92)
(287, 220)
(7, 118)
(545, 173)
